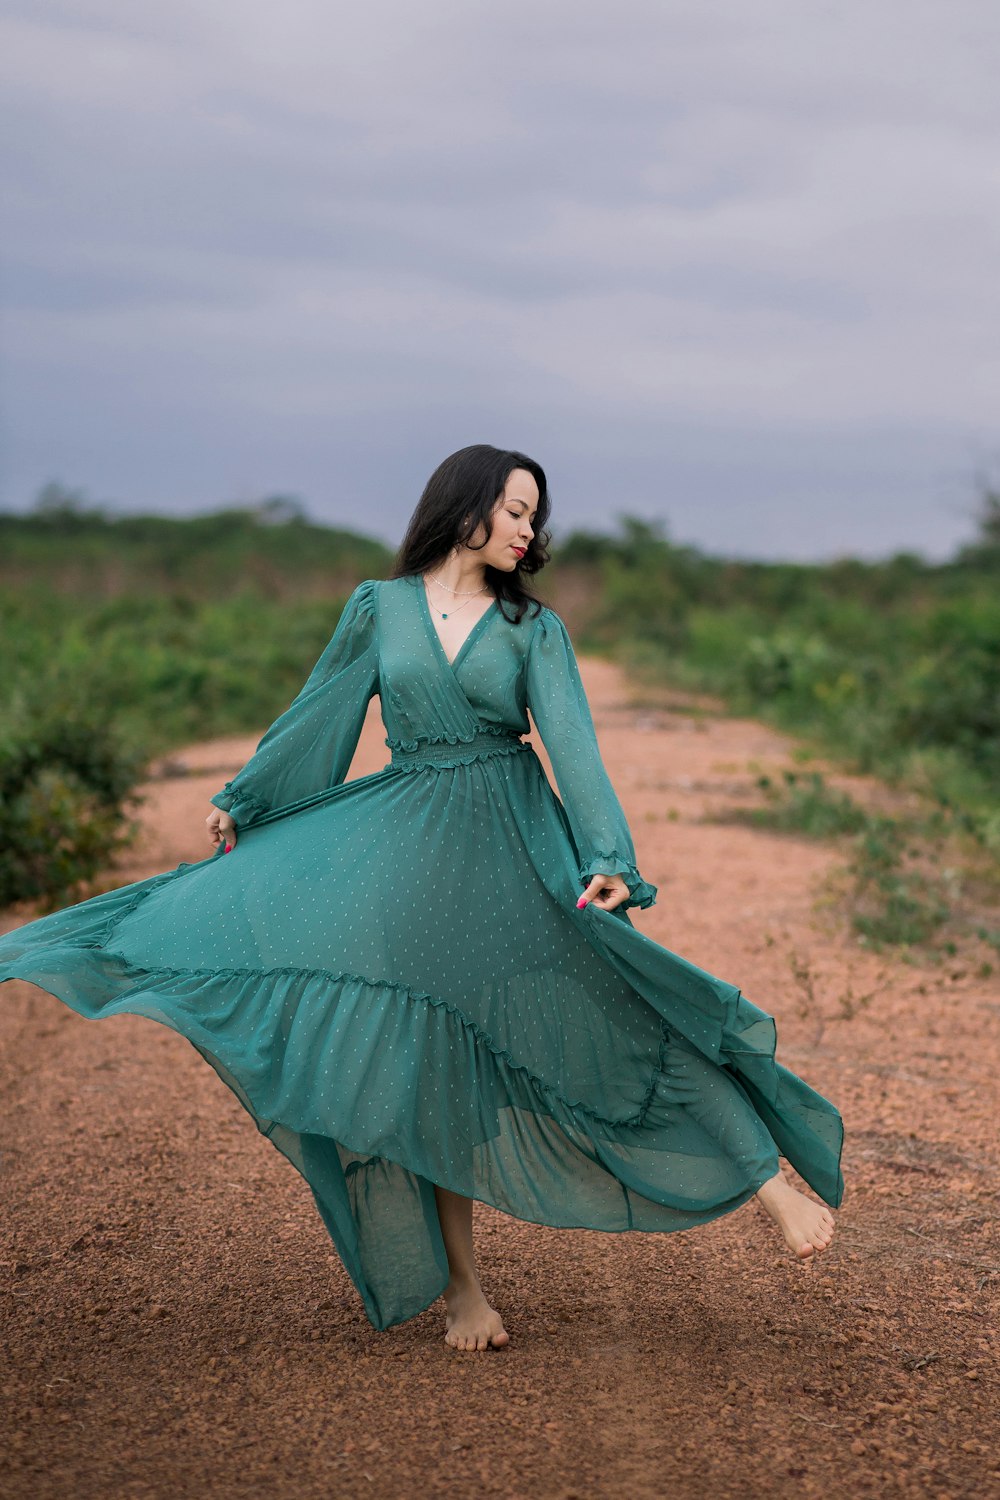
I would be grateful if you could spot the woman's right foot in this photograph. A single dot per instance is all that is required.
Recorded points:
(806, 1225)
(471, 1323)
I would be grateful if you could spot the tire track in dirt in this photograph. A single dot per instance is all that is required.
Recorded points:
(174, 1317)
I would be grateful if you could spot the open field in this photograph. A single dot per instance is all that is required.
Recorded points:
(174, 1317)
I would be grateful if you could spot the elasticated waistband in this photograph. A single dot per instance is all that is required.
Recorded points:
(444, 753)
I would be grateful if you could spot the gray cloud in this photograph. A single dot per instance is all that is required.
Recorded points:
(730, 265)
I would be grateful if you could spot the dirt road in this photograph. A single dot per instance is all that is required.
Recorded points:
(175, 1319)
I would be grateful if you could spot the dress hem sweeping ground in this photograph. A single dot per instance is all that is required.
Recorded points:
(393, 978)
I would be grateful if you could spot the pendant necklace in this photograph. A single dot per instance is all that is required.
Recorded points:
(472, 592)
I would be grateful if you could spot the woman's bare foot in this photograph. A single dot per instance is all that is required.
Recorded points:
(471, 1322)
(806, 1225)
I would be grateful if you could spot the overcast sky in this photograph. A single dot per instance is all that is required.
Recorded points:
(733, 265)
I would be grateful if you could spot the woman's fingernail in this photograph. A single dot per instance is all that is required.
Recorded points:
(582, 901)
(228, 847)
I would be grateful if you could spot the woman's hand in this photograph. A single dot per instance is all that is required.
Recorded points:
(221, 828)
(605, 891)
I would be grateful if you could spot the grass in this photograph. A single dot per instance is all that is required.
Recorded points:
(908, 882)
(803, 803)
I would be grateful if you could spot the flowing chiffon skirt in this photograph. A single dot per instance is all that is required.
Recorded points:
(392, 978)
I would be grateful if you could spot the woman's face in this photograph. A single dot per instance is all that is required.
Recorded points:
(513, 523)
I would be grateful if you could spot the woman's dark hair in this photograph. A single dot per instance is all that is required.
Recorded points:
(461, 493)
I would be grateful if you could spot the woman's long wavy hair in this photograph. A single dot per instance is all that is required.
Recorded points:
(462, 491)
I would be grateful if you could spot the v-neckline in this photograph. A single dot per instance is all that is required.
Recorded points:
(470, 639)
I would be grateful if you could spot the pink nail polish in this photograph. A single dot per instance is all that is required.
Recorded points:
(228, 847)
(582, 901)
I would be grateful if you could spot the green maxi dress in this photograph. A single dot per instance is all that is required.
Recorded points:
(393, 977)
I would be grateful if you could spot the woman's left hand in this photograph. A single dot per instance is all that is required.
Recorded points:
(605, 891)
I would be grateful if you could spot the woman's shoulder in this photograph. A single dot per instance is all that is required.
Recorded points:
(393, 585)
(364, 592)
(370, 588)
(361, 603)
(548, 621)
(541, 632)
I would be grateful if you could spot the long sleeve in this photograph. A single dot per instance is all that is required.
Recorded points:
(310, 747)
(558, 704)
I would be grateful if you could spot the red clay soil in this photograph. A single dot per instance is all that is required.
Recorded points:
(175, 1319)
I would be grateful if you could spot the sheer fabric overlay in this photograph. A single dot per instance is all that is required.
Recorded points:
(392, 975)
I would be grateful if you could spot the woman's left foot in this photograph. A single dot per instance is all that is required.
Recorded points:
(806, 1225)
(471, 1323)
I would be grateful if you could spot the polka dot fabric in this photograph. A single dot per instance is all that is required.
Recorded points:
(393, 977)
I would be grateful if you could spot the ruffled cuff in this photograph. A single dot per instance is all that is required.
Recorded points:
(641, 893)
(241, 806)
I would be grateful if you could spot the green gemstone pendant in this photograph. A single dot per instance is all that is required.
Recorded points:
(444, 617)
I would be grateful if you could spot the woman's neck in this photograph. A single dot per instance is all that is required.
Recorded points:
(462, 577)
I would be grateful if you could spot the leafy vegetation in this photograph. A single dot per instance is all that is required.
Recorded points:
(66, 784)
(128, 635)
(892, 667)
(900, 882)
(803, 803)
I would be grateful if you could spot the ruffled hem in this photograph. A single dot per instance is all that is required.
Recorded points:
(641, 892)
(714, 1017)
(376, 1090)
(283, 1039)
(548, 1095)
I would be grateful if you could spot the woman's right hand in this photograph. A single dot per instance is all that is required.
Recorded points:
(221, 828)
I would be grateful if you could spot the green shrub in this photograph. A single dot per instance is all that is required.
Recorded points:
(804, 803)
(892, 901)
(949, 695)
(66, 784)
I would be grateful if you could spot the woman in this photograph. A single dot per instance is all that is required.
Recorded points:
(399, 976)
